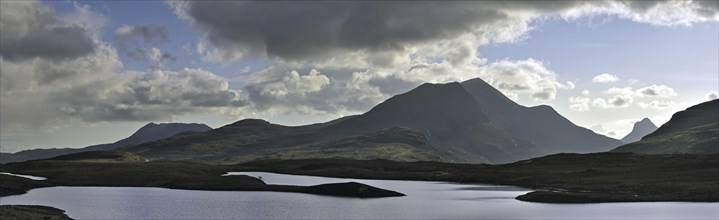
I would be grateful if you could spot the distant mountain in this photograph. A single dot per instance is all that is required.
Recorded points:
(451, 119)
(542, 125)
(641, 128)
(438, 122)
(454, 122)
(692, 131)
(149, 132)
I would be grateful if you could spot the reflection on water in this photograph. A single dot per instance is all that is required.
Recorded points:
(24, 176)
(424, 200)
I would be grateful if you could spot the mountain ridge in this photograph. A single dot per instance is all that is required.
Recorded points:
(149, 132)
(543, 125)
(458, 122)
(692, 131)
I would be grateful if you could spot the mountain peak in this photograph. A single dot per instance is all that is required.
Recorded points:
(250, 122)
(645, 123)
(640, 129)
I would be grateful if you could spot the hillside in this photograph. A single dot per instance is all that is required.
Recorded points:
(431, 122)
(453, 122)
(542, 125)
(149, 132)
(692, 131)
(100, 156)
(451, 119)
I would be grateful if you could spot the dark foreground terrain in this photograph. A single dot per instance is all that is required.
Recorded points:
(559, 178)
(101, 169)
(23, 212)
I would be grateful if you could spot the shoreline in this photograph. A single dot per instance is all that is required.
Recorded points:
(583, 178)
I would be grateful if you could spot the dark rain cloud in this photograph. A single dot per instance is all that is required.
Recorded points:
(59, 43)
(294, 30)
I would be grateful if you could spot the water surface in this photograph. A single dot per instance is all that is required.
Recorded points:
(424, 200)
(24, 176)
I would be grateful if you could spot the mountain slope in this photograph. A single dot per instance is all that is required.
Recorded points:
(251, 139)
(640, 129)
(451, 120)
(432, 122)
(547, 129)
(149, 132)
(692, 131)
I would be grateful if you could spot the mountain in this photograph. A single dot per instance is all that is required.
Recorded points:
(542, 125)
(453, 122)
(451, 119)
(641, 128)
(149, 132)
(692, 131)
(439, 122)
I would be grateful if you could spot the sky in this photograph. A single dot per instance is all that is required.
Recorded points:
(77, 73)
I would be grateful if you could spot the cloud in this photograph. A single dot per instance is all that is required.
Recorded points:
(523, 76)
(626, 91)
(657, 104)
(45, 92)
(297, 30)
(605, 78)
(712, 95)
(31, 30)
(292, 83)
(320, 30)
(138, 43)
(278, 90)
(579, 104)
(187, 87)
(148, 34)
(618, 101)
(598, 128)
(660, 91)
(156, 57)
(585, 92)
(658, 13)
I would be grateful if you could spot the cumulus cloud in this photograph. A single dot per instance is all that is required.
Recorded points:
(712, 95)
(618, 101)
(288, 91)
(45, 92)
(31, 30)
(605, 78)
(626, 91)
(659, 13)
(523, 76)
(138, 43)
(579, 104)
(188, 87)
(657, 104)
(659, 91)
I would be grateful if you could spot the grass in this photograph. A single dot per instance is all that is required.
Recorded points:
(22, 212)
